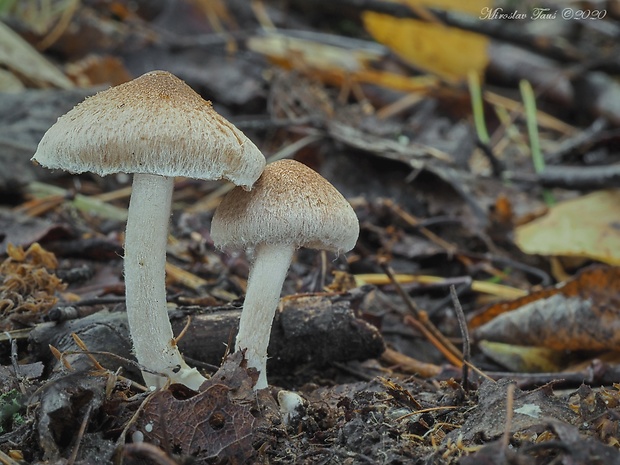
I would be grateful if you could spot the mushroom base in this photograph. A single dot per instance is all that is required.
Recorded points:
(145, 286)
(271, 263)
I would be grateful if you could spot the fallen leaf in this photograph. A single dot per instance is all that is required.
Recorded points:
(587, 227)
(590, 282)
(18, 55)
(580, 315)
(580, 449)
(446, 51)
(219, 424)
(62, 404)
(335, 64)
(522, 359)
(558, 322)
(212, 425)
(488, 420)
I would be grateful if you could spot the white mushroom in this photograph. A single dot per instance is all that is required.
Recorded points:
(156, 127)
(292, 406)
(290, 206)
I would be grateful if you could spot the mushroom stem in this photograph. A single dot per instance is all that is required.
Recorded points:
(271, 263)
(145, 287)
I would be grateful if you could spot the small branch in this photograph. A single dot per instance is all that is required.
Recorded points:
(422, 323)
(460, 315)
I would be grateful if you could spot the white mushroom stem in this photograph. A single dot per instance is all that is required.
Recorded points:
(271, 263)
(145, 286)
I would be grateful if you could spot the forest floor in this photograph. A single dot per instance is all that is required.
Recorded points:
(476, 321)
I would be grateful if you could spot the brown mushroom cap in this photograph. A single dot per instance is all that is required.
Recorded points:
(155, 124)
(290, 204)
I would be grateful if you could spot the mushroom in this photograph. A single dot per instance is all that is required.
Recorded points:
(155, 127)
(290, 206)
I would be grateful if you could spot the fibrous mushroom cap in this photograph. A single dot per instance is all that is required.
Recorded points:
(290, 204)
(154, 124)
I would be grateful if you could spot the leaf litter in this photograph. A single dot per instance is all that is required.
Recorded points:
(433, 202)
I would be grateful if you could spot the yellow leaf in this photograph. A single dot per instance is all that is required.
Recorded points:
(446, 51)
(335, 65)
(587, 227)
(522, 359)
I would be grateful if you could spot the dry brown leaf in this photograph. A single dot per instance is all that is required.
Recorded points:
(583, 314)
(219, 424)
(590, 281)
(211, 424)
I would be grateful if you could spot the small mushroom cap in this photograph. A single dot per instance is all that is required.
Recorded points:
(155, 124)
(290, 204)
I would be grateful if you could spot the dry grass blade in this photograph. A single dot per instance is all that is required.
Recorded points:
(7, 460)
(82, 346)
(498, 290)
(60, 357)
(406, 364)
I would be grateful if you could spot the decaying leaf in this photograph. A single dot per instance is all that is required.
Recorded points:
(558, 322)
(582, 314)
(588, 226)
(594, 280)
(211, 424)
(28, 288)
(218, 425)
(530, 410)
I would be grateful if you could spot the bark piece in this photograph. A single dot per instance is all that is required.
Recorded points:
(308, 328)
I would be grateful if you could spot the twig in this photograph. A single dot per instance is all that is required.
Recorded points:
(580, 142)
(433, 339)
(486, 287)
(571, 177)
(16, 367)
(497, 166)
(132, 420)
(423, 323)
(409, 365)
(80, 434)
(414, 222)
(82, 346)
(183, 331)
(510, 395)
(460, 316)
(60, 27)
(63, 313)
